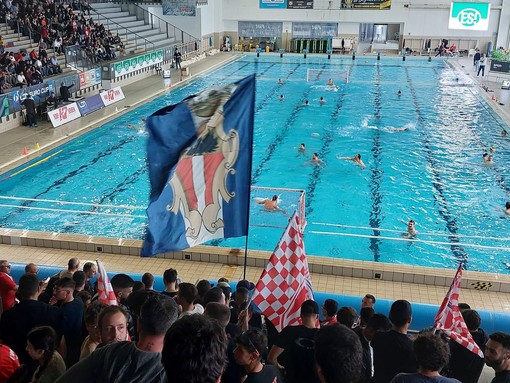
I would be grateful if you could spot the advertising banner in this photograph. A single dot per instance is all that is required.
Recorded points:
(314, 30)
(89, 78)
(90, 104)
(64, 114)
(300, 4)
(366, 4)
(179, 7)
(259, 29)
(273, 3)
(112, 96)
(500, 66)
(472, 16)
(38, 92)
(143, 61)
(4, 105)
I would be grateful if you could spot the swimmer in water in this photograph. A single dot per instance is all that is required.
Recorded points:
(503, 133)
(301, 149)
(411, 228)
(399, 93)
(488, 159)
(402, 129)
(322, 101)
(316, 160)
(356, 159)
(270, 204)
(281, 97)
(330, 82)
(492, 150)
(280, 82)
(307, 103)
(506, 210)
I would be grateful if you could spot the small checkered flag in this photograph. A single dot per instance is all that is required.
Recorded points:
(450, 320)
(285, 282)
(105, 293)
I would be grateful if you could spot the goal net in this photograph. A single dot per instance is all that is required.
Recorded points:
(289, 201)
(327, 76)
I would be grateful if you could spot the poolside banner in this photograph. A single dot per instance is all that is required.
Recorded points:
(450, 320)
(285, 283)
(64, 114)
(366, 4)
(199, 157)
(112, 96)
(469, 15)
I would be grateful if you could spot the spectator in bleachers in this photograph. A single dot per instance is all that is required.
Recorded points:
(93, 339)
(195, 350)
(148, 281)
(203, 286)
(393, 350)
(338, 355)
(170, 281)
(73, 317)
(108, 363)
(376, 323)
(298, 360)
(186, 297)
(122, 285)
(42, 347)
(9, 362)
(465, 365)
(497, 356)
(112, 323)
(79, 280)
(17, 322)
(431, 352)
(329, 310)
(364, 316)
(8, 286)
(251, 346)
(31, 268)
(347, 316)
(368, 301)
(89, 268)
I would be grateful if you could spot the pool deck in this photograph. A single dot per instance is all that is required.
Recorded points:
(417, 284)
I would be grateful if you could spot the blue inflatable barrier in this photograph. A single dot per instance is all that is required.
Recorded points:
(423, 314)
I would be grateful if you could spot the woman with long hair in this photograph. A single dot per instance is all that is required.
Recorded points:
(41, 346)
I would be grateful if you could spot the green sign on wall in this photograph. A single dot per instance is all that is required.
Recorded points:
(471, 16)
(139, 62)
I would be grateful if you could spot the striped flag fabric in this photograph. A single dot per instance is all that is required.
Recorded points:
(449, 318)
(105, 293)
(285, 282)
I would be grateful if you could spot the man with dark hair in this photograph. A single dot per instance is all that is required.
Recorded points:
(251, 345)
(65, 94)
(143, 358)
(497, 356)
(329, 309)
(368, 301)
(170, 281)
(90, 270)
(195, 350)
(112, 323)
(214, 294)
(122, 285)
(79, 279)
(17, 322)
(465, 365)
(338, 355)
(148, 281)
(393, 350)
(91, 321)
(296, 343)
(378, 322)
(432, 355)
(73, 317)
(219, 312)
(186, 297)
(240, 296)
(364, 316)
(203, 286)
(347, 316)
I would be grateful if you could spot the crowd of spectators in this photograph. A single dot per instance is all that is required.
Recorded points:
(52, 25)
(55, 330)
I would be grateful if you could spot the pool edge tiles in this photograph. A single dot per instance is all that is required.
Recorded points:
(235, 257)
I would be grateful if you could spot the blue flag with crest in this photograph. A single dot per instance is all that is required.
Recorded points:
(199, 158)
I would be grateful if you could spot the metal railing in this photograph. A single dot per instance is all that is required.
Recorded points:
(115, 27)
(157, 22)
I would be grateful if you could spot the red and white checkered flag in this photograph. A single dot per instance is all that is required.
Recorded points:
(285, 282)
(450, 320)
(105, 293)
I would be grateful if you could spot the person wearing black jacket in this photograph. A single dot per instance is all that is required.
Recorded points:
(65, 94)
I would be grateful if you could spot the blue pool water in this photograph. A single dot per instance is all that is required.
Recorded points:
(431, 172)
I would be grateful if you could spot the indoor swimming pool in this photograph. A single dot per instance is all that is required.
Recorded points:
(422, 150)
